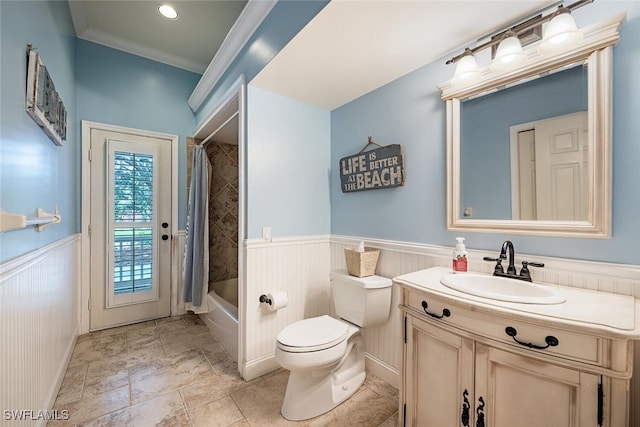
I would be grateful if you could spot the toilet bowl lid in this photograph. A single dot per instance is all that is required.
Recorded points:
(316, 333)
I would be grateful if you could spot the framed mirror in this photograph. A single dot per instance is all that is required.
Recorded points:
(529, 151)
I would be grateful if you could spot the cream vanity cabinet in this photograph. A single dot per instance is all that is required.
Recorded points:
(467, 362)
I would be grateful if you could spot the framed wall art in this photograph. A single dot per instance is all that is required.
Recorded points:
(43, 103)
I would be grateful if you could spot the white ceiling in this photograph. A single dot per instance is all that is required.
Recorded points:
(349, 49)
(190, 42)
(353, 47)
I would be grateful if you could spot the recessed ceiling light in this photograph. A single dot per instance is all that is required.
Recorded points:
(167, 11)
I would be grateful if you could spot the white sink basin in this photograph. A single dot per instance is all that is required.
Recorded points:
(502, 288)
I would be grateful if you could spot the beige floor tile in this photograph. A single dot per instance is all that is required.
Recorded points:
(165, 410)
(143, 337)
(365, 408)
(195, 336)
(95, 406)
(72, 385)
(215, 352)
(217, 413)
(168, 373)
(192, 319)
(173, 372)
(260, 402)
(211, 388)
(392, 421)
(144, 355)
(382, 388)
(102, 379)
(170, 326)
(98, 348)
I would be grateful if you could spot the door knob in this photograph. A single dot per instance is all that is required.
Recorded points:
(165, 237)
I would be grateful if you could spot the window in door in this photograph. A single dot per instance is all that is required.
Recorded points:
(132, 207)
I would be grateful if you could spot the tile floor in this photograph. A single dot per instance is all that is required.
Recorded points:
(173, 372)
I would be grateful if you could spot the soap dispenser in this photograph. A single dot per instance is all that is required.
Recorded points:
(460, 256)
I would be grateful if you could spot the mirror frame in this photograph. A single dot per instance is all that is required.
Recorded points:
(596, 49)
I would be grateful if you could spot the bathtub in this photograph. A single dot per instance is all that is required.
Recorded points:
(222, 317)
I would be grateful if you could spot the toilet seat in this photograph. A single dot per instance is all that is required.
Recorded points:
(314, 334)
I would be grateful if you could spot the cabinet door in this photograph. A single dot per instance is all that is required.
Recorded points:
(523, 392)
(439, 376)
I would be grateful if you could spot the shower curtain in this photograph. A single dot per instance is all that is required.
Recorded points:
(196, 266)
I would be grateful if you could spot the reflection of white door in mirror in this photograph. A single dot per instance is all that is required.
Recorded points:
(550, 169)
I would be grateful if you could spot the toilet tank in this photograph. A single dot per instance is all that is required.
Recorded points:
(363, 301)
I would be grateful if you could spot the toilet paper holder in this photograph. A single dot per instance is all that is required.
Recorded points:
(275, 300)
(265, 299)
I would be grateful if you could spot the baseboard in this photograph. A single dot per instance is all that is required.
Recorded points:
(382, 370)
(60, 373)
(254, 368)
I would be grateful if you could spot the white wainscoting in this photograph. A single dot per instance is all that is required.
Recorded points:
(300, 267)
(384, 343)
(39, 321)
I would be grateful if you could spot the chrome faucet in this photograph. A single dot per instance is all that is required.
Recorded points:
(511, 268)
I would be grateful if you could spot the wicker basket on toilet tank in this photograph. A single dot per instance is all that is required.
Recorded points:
(361, 264)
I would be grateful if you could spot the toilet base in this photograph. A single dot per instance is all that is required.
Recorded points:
(312, 393)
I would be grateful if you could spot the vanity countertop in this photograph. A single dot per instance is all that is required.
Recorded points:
(589, 311)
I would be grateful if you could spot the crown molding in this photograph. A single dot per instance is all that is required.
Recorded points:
(111, 41)
(248, 22)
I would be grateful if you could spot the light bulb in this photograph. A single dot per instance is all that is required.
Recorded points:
(509, 54)
(467, 71)
(560, 34)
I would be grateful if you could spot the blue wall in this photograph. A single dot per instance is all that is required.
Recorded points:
(485, 153)
(35, 173)
(121, 89)
(409, 111)
(287, 166)
(96, 83)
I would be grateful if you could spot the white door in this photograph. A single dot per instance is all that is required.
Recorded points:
(130, 228)
(550, 173)
(562, 168)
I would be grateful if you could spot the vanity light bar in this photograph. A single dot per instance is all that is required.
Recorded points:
(521, 28)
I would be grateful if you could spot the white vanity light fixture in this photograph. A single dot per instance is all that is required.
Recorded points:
(509, 55)
(167, 11)
(467, 71)
(560, 33)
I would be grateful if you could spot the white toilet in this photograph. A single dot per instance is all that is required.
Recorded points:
(326, 355)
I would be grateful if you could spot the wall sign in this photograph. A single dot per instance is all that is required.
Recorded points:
(44, 104)
(370, 170)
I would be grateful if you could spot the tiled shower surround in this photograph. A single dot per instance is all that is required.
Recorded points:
(223, 212)
(223, 208)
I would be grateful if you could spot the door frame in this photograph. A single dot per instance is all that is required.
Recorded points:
(514, 156)
(84, 290)
(234, 101)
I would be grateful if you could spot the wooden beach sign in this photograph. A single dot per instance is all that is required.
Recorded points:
(371, 170)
